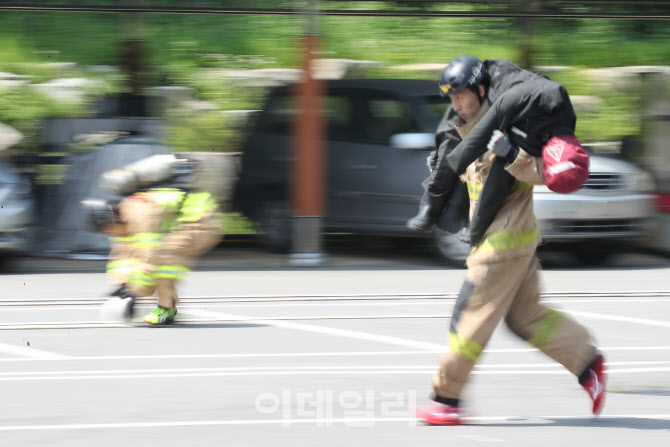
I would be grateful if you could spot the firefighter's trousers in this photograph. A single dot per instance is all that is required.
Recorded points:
(171, 262)
(507, 289)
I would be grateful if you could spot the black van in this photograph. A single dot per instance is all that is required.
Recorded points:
(379, 135)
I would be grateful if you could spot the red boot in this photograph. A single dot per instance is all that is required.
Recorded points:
(595, 383)
(439, 414)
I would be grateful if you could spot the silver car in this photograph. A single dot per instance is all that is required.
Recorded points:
(17, 211)
(615, 205)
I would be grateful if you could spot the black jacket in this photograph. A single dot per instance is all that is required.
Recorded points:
(529, 106)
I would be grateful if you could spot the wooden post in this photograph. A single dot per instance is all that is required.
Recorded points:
(308, 168)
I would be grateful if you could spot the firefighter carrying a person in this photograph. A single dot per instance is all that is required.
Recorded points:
(503, 278)
(527, 109)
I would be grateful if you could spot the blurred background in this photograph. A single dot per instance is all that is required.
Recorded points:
(88, 86)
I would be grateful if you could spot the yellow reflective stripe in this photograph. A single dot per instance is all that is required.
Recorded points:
(122, 266)
(474, 189)
(171, 271)
(504, 240)
(169, 197)
(547, 330)
(142, 279)
(147, 240)
(465, 348)
(120, 238)
(520, 185)
(195, 206)
(122, 262)
(130, 267)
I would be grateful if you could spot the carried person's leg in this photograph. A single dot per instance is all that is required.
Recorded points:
(437, 191)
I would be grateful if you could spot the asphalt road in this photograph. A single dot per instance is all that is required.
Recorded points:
(334, 356)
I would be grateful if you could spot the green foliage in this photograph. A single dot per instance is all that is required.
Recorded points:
(610, 122)
(221, 41)
(210, 130)
(189, 49)
(602, 43)
(200, 132)
(85, 38)
(235, 223)
(400, 40)
(615, 118)
(23, 108)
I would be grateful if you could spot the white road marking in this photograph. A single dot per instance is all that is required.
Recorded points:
(297, 303)
(214, 369)
(32, 325)
(248, 371)
(441, 301)
(308, 354)
(605, 349)
(26, 351)
(325, 330)
(216, 374)
(307, 367)
(305, 354)
(60, 325)
(224, 356)
(599, 316)
(209, 316)
(322, 421)
(554, 297)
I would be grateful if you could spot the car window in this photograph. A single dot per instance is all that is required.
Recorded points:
(278, 116)
(433, 107)
(339, 114)
(388, 117)
(349, 116)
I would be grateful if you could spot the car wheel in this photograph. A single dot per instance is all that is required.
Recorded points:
(274, 219)
(450, 249)
(592, 255)
(6, 262)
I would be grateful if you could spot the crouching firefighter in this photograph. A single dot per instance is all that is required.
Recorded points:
(158, 227)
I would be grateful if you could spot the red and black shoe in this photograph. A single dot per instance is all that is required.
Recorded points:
(594, 381)
(436, 413)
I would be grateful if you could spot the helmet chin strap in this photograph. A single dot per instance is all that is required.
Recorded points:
(475, 90)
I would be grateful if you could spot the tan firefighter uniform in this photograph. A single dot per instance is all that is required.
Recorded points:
(166, 229)
(503, 282)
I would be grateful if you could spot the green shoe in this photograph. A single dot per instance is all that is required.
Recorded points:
(161, 315)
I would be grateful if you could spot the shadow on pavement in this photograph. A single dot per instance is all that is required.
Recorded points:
(600, 422)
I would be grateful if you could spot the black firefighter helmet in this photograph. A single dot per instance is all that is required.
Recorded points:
(461, 73)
